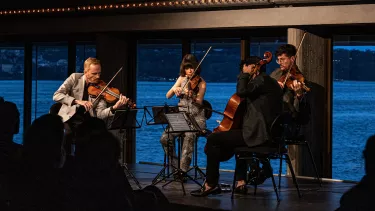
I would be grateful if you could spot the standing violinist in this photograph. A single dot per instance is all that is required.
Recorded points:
(190, 99)
(293, 99)
(73, 94)
(263, 99)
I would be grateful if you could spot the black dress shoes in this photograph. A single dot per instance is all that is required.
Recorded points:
(203, 192)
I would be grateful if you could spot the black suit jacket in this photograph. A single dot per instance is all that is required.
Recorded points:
(263, 97)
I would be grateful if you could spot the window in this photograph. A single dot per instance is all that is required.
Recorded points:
(353, 103)
(259, 45)
(158, 63)
(12, 80)
(84, 51)
(50, 69)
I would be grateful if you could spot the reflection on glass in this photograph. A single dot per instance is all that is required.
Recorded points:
(50, 69)
(353, 104)
(11, 80)
(158, 66)
(83, 52)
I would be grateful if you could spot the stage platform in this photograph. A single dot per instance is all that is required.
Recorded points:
(314, 197)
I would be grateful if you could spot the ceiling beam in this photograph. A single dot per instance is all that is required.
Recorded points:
(225, 19)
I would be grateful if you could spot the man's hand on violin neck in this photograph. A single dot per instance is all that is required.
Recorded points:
(123, 100)
(86, 104)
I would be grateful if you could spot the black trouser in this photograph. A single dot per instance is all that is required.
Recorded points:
(220, 147)
(71, 127)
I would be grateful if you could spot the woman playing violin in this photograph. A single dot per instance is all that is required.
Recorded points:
(190, 92)
(293, 88)
(263, 99)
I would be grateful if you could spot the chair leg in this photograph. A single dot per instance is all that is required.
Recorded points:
(234, 180)
(313, 162)
(280, 169)
(293, 175)
(273, 180)
(195, 157)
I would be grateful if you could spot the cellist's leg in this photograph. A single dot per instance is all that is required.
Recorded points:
(220, 147)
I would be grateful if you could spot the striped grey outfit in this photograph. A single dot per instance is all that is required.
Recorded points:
(188, 138)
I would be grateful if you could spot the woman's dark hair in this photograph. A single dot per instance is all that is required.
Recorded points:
(189, 61)
(252, 60)
(287, 49)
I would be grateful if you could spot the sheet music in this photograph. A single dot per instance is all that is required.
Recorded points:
(178, 122)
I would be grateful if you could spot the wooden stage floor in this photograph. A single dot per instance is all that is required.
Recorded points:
(314, 197)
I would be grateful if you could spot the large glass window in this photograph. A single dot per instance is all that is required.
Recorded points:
(50, 69)
(353, 103)
(158, 63)
(12, 78)
(84, 51)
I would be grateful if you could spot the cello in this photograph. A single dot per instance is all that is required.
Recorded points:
(235, 108)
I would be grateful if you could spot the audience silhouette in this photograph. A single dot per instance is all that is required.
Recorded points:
(10, 152)
(40, 177)
(36, 184)
(361, 195)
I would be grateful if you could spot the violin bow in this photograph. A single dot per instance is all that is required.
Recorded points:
(199, 64)
(105, 87)
(295, 58)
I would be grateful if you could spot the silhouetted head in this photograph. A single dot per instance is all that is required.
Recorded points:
(189, 63)
(252, 60)
(9, 120)
(43, 141)
(369, 155)
(96, 148)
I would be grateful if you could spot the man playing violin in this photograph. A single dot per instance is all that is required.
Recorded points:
(293, 95)
(73, 94)
(263, 99)
(190, 99)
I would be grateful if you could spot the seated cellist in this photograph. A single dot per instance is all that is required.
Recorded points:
(263, 98)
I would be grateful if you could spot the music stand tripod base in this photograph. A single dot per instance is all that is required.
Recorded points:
(178, 124)
(122, 120)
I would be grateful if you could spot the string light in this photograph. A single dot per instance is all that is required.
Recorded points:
(168, 3)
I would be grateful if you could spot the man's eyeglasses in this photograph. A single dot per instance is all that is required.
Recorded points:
(282, 60)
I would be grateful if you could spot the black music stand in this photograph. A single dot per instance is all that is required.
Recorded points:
(179, 123)
(158, 118)
(125, 119)
(157, 114)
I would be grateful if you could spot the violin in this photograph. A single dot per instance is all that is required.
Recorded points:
(195, 79)
(110, 94)
(293, 74)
